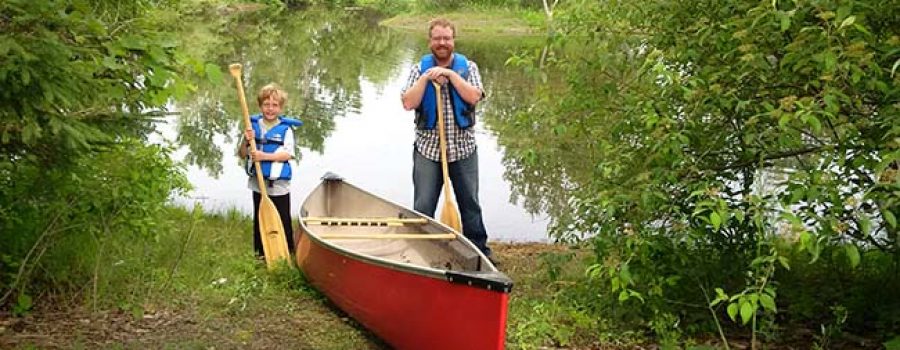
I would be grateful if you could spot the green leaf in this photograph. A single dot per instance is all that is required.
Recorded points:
(852, 254)
(732, 311)
(632, 293)
(784, 262)
(784, 120)
(814, 123)
(865, 225)
(715, 220)
(843, 12)
(830, 60)
(625, 275)
(831, 103)
(767, 302)
(623, 295)
(23, 305)
(720, 297)
(805, 239)
(890, 218)
(847, 21)
(133, 42)
(110, 62)
(213, 73)
(747, 310)
(861, 28)
(785, 23)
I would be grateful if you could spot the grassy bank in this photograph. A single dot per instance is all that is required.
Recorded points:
(197, 286)
(474, 24)
(200, 287)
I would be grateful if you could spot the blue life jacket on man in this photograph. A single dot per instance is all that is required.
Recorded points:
(426, 114)
(270, 142)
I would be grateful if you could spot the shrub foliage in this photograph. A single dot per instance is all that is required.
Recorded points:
(727, 161)
(79, 85)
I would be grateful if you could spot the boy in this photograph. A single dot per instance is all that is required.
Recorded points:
(274, 150)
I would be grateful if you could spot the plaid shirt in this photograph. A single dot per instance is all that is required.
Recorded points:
(460, 142)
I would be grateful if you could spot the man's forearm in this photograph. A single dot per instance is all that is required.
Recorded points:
(468, 92)
(412, 98)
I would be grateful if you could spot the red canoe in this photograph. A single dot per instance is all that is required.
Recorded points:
(409, 279)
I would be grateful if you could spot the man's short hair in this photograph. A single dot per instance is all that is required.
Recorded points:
(441, 22)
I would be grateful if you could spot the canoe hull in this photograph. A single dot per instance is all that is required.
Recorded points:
(408, 311)
(408, 306)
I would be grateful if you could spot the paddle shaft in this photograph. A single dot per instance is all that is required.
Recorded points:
(450, 212)
(246, 113)
(442, 139)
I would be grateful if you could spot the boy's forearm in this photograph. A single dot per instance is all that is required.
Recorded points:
(280, 156)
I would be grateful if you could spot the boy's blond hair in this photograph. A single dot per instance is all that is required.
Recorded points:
(271, 90)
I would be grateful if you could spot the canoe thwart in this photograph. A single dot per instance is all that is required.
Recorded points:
(387, 235)
(338, 221)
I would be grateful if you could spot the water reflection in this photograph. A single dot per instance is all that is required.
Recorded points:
(343, 75)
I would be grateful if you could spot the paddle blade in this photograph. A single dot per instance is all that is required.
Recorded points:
(274, 243)
(450, 214)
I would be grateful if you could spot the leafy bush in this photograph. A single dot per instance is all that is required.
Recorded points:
(80, 84)
(703, 144)
(65, 224)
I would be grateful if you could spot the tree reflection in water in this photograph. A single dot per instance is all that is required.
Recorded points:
(325, 61)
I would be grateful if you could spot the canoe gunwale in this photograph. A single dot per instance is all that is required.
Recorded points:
(490, 279)
(495, 281)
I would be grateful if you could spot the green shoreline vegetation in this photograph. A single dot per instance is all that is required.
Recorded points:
(669, 117)
(198, 285)
(473, 24)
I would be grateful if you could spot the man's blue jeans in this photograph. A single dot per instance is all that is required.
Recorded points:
(427, 182)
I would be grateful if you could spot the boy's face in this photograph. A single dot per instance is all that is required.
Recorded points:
(270, 108)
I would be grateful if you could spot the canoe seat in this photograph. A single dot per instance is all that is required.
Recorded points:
(339, 221)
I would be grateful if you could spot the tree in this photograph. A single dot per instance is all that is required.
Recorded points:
(80, 82)
(694, 137)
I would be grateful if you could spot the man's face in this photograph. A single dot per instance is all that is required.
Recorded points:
(441, 42)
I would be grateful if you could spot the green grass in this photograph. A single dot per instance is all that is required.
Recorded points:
(193, 284)
(471, 23)
(220, 282)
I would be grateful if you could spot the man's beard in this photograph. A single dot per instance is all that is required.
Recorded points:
(444, 54)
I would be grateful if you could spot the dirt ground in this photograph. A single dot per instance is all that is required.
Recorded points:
(61, 327)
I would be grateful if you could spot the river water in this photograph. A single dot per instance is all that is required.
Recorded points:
(343, 74)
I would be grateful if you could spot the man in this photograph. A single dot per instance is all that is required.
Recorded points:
(460, 92)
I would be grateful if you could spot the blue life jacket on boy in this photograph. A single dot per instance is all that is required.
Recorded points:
(426, 114)
(270, 142)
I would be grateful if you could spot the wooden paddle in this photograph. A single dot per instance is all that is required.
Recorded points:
(449, 212)
(274, 243)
